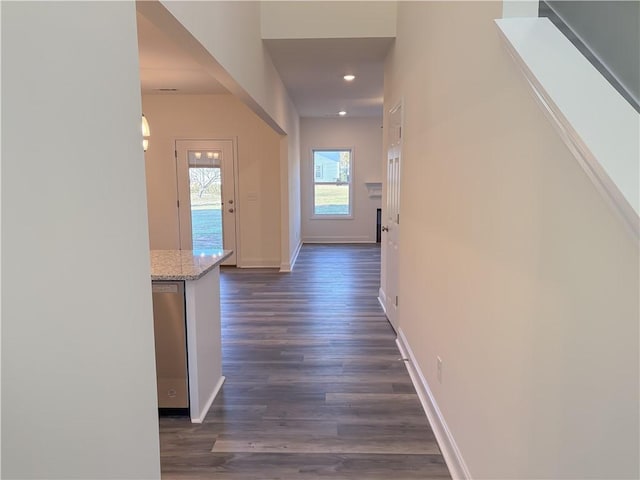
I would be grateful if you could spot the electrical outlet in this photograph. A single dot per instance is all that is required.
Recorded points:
(439, 367)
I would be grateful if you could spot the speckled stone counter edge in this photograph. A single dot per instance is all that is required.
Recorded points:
(183, 264)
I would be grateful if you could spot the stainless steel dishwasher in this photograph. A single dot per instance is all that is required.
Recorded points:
(171, 346)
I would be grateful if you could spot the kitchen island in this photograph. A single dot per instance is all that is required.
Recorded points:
(200, 275)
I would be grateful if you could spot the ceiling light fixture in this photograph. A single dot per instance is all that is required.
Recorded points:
(146, 132)
(342, 113)
(198, 155)
(349, 77)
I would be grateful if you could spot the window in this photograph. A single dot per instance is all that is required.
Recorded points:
(332, 183)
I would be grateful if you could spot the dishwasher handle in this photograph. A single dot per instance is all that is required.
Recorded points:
(165, 287)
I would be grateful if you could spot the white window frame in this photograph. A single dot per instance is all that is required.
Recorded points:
(350, 183)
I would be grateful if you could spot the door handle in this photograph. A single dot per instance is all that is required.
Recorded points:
(231, 210)
(385, 229)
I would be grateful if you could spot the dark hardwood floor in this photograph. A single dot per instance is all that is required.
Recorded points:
(314, 383)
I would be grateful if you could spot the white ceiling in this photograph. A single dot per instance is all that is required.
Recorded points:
(164, 65)
(311, 69)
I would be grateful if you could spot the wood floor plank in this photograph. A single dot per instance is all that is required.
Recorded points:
(315, 386)
(322, 444)
(371, 398)
(285, 466)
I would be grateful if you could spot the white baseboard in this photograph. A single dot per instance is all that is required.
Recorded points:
(288, 266)
(338, 239)
(382, 298)
(259, 263)
(448, 446)
(207, 405)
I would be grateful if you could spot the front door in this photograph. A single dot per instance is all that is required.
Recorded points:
(206, 196)
(392, 219)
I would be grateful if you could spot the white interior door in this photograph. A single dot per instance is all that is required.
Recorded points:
(206, 196)
(392, 220)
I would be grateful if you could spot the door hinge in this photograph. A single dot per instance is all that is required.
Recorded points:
(178, 203)
(400, 132)
(175, 153)
(396, 300)
(398, 219)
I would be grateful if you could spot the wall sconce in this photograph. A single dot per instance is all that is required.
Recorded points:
(146, 132)
(213, 155)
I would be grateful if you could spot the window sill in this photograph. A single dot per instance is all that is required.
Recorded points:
(600, 128)
(331, 217)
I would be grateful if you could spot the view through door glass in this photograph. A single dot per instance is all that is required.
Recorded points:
(205, 185)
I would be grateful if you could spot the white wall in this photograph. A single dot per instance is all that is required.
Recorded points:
(258, 198)
(231, 33)
(328, 19)
(513, 269)
(290, 197)
(364, 135)
(78, 372)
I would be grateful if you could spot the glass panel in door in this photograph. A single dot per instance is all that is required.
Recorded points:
(205, 185)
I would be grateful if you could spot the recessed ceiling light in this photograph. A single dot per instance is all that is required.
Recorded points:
(349, 77)
(342, 113)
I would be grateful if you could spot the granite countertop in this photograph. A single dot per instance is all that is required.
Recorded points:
(184, 264)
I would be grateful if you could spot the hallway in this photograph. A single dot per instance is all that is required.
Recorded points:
(314, 385)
